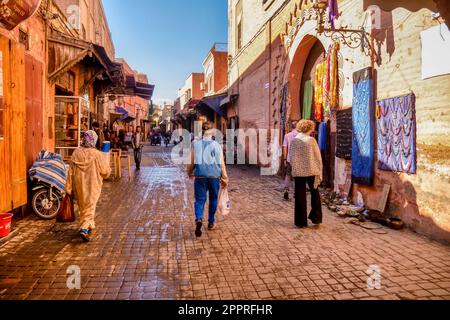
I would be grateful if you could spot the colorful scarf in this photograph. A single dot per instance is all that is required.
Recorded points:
(89, 139)
(319, 92)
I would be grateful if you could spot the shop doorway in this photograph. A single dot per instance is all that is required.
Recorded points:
(317, 55)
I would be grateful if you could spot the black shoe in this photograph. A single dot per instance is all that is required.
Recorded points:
(286, 195)
(314, 221)
(212, 227)
(198, 229)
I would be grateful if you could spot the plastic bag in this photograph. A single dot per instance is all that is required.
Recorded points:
(224, 206)
(67, 212)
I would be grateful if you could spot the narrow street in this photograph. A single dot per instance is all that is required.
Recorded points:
(144, 248)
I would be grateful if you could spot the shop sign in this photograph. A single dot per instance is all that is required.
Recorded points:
(14, 12)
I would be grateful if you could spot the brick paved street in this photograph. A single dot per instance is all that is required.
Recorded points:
(145, 248)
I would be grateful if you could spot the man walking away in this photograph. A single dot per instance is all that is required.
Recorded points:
(138, 143)
(208, 168)
(286, 154)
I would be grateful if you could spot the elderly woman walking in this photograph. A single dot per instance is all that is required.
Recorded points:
(306, 162)
(88, 168)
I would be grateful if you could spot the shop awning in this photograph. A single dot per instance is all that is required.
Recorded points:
(213, 103)
(228, 99)
(65, 52)
(191, 104)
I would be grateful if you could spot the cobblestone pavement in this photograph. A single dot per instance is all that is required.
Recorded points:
(145, 248)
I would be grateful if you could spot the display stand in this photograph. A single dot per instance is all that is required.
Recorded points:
(71, 121)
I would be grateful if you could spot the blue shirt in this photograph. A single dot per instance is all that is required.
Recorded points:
(207, 159)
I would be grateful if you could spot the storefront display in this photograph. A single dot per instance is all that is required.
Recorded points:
(363, 128)
(396, 119)
(71, 120)
(344, 134)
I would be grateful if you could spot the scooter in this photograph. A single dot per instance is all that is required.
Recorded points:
(46, 200)
(48, 177)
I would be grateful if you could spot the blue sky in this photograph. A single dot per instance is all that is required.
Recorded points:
(167, 39)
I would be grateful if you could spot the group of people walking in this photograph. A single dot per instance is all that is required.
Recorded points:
(303, 161)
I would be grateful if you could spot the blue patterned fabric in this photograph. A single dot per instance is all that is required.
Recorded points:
(323, 144)
(363, 150)
(396, 132)
(51, 169)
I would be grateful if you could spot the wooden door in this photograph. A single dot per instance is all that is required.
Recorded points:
(34, 108)
(13, 178)
(5, 160)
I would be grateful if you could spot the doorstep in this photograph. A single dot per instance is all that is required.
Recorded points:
(11, 235)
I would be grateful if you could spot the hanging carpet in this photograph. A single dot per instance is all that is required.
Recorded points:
(396, 131)
(344, 134)
(363, 150)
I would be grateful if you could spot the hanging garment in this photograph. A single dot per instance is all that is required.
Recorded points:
(344, 134)
(319, 93)
(396, 131)
(307, 101)
(323, 137)
(326, 88)
(333, 12)
(283, 112)
(334, 76)
(363, 128)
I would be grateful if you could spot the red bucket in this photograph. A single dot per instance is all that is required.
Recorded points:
(5, 224)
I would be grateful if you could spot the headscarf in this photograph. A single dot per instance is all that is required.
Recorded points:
(89, 139)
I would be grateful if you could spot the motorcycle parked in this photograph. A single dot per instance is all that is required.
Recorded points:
(48, 176)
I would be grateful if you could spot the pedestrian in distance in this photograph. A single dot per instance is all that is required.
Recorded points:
(286, 154)
(100, 135)
(138, 143)
(307, 168)
(207, 168)
(88, 168)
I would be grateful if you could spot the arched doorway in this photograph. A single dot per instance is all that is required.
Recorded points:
(309, 53)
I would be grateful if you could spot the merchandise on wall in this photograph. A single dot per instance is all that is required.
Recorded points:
(71, 120)
(326, 84)
(344, 134)
(307, 101)
(396, 131)
(363, 149)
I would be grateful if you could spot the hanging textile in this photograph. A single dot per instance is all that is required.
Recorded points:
(326, 89)
(344, 134)
(319, 92)
(396, 130)
(333, 12)
(363, 128)
(334, 76)
(283, 111)
(323, 133)
(307, 101)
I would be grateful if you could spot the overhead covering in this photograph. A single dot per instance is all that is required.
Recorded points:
(213, 103)
(66, 51)
(228, 99)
